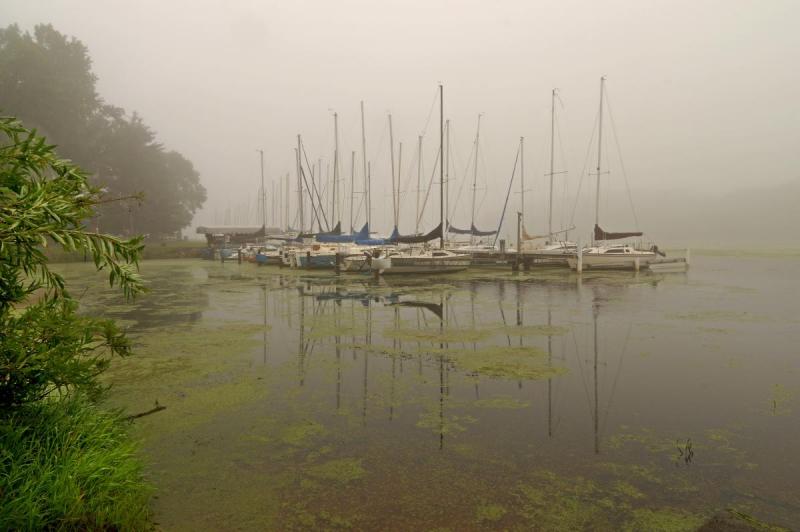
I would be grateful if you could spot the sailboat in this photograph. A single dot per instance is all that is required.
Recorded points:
(554, 250)
(603, 255)
(382, 261)
(473, 247)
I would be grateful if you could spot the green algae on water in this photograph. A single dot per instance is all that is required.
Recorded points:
(299, 434)
(510, 362)
(662, 520)
(342, 470)
(489, 513)
(503, 402)
(437, 336)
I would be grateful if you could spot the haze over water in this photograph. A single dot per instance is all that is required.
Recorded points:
(703, 97)
(483, 399)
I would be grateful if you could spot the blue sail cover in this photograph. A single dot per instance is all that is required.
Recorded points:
(344, 239)
(363, 239)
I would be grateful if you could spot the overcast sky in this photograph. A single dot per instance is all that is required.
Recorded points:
(705, 95)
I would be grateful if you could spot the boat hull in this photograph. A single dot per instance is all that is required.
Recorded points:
(593, 261)
(268, 260)
(418, 265)
(316, 262)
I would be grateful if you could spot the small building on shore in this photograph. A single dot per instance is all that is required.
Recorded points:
(225, 235)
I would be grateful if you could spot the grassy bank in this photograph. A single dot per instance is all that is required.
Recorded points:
(66, 464)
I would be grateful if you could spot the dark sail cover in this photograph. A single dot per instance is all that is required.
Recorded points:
(599, 234)
(337, 230)
(472, 231)
(418, 239)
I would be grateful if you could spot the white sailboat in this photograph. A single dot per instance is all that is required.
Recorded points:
(555, 250)
(422, 260)
(410, 260)
(604, 255)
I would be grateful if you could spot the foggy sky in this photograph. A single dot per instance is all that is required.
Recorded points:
(704, 94)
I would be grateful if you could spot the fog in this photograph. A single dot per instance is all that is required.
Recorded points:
(703, 98)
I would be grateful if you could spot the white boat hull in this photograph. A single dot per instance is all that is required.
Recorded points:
(592, 261)
(397, 265)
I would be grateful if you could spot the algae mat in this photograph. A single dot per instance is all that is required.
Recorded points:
(538, 401)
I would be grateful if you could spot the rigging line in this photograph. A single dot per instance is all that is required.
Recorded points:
(430, 185)
(430, 112)
(621, 162)
(583, 171)
(313, 207)
(565, 171)
(508, 194)
(410, 172)
(314, 186)
(616, 378)
(463, 181)
(452, 155)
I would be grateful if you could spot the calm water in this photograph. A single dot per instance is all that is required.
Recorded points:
(482, 400)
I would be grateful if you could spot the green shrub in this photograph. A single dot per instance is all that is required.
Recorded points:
(44, 200)
(64, 463)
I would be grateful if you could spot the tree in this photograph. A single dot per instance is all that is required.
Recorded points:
(46, 81)
(45, 346)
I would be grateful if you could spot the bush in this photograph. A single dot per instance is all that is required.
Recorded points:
(44, 345)
(64, 464)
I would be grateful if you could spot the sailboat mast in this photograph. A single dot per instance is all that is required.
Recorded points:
(475, 180)
(441, 163)
(522, 178)
(391, 152)
(263, 193)
(352, 188)
(364, 161)
(552, 151)
(286, 206)
(399, 173)
(299, 185)
(447, 179)
(316, 190)
(599, 156)
(419, 177)
(335, 168)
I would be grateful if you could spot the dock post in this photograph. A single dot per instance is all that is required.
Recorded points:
(636, 264)
(579, 265)
(338, 263)
(239, 255)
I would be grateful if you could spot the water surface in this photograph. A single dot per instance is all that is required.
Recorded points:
(480, 400)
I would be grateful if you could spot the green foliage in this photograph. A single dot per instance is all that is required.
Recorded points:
(66, 465)
(46, 81)
(44, 345)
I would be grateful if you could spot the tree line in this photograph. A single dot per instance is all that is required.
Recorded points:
(46, 81)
